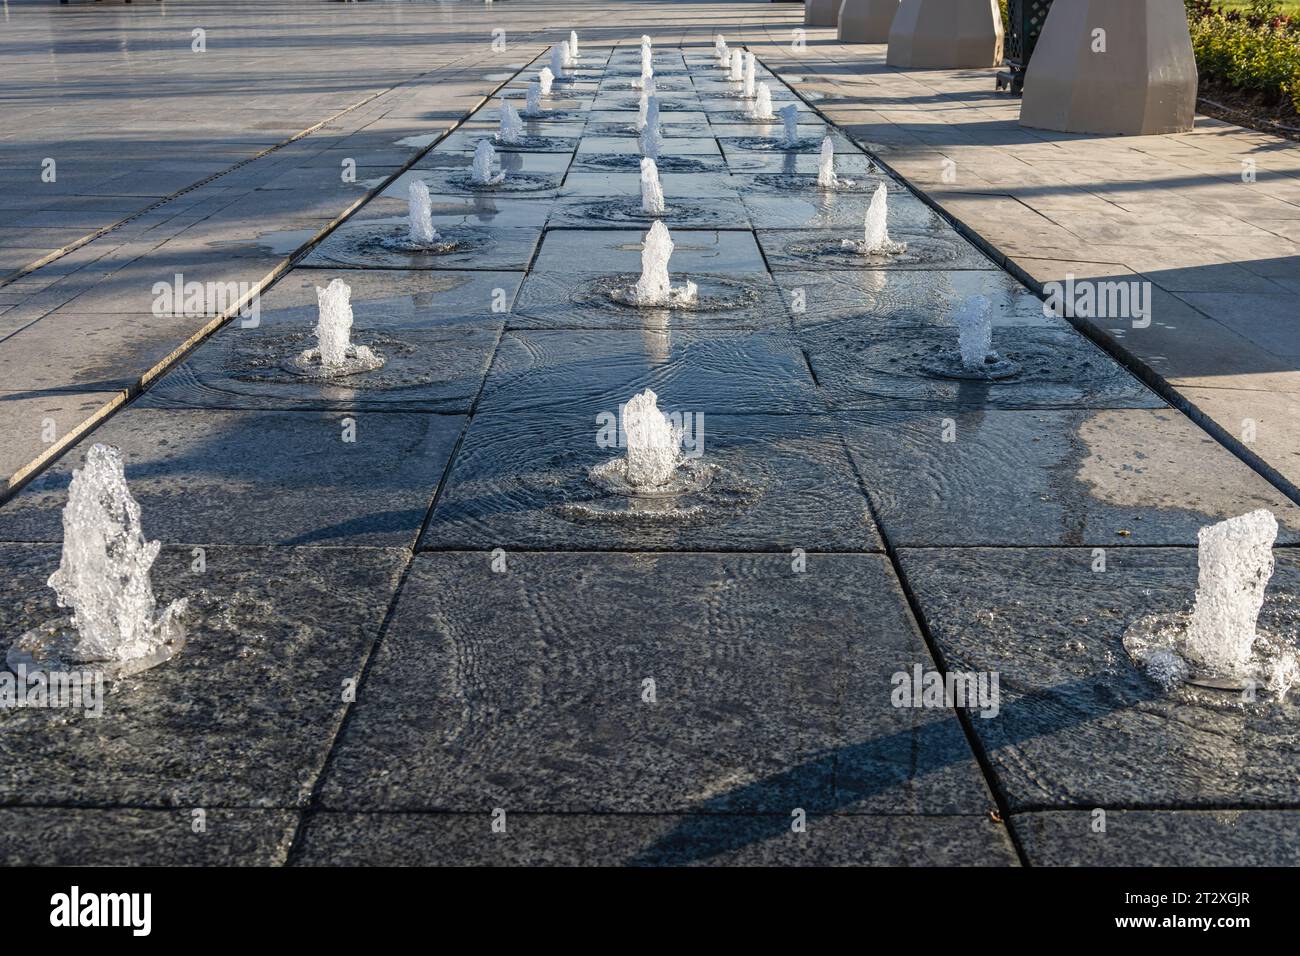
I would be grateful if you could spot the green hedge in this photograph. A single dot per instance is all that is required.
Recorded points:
(1256, 50)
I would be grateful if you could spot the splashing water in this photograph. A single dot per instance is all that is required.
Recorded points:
(566, 55)
(749, 76)
(533, 100)
(573, 45)
(1235, 559)
(653, 442)
(789, 125)
(334, 349)
(643, 110)
(104, 577)
(875, 231)
(512, 127)
(826, 177)
(481, 172)
(1220, 644)
(652, 193)
(762, 105)
(975, 332)
(544, 80)
(724, 59)
(719, 44)
(420, 212)
(737, 74)
(651, 139)
(557, 64)
(655, 287)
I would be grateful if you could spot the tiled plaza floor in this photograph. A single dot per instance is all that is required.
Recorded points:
(417, 617)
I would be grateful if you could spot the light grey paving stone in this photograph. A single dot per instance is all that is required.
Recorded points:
(588, 184)
(623, 211)
(900, 367)
(527, 174)
(773, 482)
(619, 251)
(556, 138)
(436, 332)
(66, 836)
(70, 351)
(244, 715)
(837, 210)
(899, 299)
(204, 476)
(523, 689)
(558, 299)
(435, 839)
(570, 371)
(1160, 837)
(1080, 726)
(35, 424)
(939, 249)
(1040, 478)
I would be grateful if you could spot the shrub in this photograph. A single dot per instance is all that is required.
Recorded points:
(1256, 50)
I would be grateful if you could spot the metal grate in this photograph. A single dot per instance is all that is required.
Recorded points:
(1027, 18)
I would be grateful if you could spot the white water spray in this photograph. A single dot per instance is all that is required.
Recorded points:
(651, 139)
(481, 173)
(652, 192)
(512, 127)
(789, 125)
(533, 100)
(544, 80)
(653, 442)
(826, 177)
(655, 287)
(975, 331)
(420, 215)
(761, 108)
(749, 76)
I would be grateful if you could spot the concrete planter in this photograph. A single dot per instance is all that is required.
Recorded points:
(867, 21)
(821, 13)
(1144, 82)
(946, 34)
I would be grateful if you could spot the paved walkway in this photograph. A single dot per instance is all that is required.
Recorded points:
(424, 630)
(1210, 218)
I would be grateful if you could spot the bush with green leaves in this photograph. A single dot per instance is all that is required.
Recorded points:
(1255, 50)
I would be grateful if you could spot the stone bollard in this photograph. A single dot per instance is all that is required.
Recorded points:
(946, 34)
(867, 21)
(821, 13)
(1112, 67)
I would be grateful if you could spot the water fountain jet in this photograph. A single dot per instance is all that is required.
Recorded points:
(512, 127)
(481, 172)
(103, 576)
(335, 354)
(533, 100)
(737, 74)
(826, 177)
(761, 108)
(652, 193)
(748, 92)
(557, 65)
(650, 139)
(789, 125)
(544, 80)
(420, 231)
(655, 287)
(875, 231)
(573, 46)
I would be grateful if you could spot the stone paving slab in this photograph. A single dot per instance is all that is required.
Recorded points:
(1174, 211)
(424, 839)
(436, 332)
(68, 836)
(566, 371)
(1161, 838)
(891, 367)
(1053, 478)
(899, 299)
(936, 249)
(262, 477)
(243, 716)
(519, 689)
(777, 483)
(562, 299)
(1080, 726)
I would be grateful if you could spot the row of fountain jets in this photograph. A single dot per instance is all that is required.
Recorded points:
(104, 572)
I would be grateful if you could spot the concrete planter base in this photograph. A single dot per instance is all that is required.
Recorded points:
(867, 21)
(946, 34)
(1144, 82)
(821, 13)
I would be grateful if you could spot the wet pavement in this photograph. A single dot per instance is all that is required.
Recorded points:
(416, 610)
